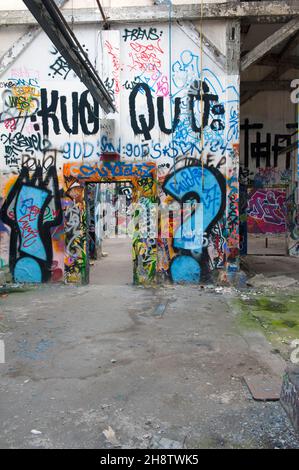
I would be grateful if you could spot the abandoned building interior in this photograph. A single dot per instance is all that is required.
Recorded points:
(201, 104)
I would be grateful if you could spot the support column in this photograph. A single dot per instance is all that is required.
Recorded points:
(232, 153)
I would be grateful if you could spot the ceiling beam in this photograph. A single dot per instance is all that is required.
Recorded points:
(277, 10)
(278, 71)
(266, 85)
(18, 47)
(21, 44)
(283, 33)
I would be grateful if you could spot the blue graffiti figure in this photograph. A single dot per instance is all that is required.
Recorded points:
(32, 207)
(206, 187)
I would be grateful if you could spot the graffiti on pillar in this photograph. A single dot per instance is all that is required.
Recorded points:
(205, 186)
(75, 228)
(31, 209)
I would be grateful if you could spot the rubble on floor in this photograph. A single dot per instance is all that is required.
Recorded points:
(260, 280)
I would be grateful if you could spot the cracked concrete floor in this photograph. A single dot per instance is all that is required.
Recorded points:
(81, 359)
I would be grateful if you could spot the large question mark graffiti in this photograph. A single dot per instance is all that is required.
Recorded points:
(206, 187)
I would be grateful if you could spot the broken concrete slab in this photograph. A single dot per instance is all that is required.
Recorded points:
(259, 280)
(290, 395)
(164, 443)
(263, 387)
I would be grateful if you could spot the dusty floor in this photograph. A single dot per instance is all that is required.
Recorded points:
(163, 367)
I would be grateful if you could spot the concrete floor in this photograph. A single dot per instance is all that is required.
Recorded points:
(81, 359)
(119, 254)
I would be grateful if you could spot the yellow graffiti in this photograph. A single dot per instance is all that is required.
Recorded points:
(24, 98)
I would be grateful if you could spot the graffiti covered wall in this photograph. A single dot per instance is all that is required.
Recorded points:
(177, 109)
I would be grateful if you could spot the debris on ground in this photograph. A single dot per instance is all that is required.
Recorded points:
(110, 435)
(164, 443)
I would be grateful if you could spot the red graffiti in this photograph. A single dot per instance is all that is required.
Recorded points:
(144, 57)
(114, 54)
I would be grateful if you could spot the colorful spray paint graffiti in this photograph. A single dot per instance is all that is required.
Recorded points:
(206, 187)
(31, 209)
